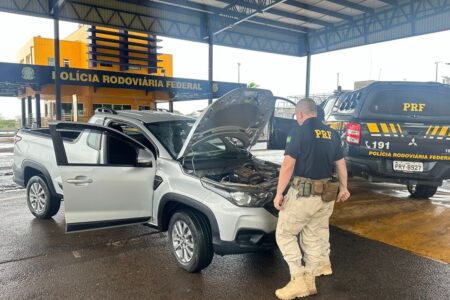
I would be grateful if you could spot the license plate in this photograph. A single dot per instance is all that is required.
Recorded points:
(408, 166)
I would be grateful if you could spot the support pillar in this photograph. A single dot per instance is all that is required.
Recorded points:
(24, 113)
(29, 112)
(57, 61)
(308, 74)
(171, 106)
(210, 66)
(38, 110)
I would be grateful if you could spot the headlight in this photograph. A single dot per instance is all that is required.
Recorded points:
(241, 198)
(251, 199)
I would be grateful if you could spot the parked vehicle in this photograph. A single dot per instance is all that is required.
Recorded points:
(396, 132)
(195, 179)
(391, 132)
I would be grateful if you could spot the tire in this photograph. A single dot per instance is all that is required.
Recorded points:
(40, 202)
(193, 252)
(421, 191)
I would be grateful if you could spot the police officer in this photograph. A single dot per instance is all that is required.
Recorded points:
(312, 151)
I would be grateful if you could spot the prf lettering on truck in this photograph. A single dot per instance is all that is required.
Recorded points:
(411, 106)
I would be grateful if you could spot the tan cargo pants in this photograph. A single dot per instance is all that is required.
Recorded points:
(304, 222)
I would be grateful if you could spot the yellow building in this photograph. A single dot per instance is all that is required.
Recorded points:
(101, 49)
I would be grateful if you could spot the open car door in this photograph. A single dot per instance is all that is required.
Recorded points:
(107, 177)
(281, 122)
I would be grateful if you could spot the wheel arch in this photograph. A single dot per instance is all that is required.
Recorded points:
(172, 202)
(31, 168)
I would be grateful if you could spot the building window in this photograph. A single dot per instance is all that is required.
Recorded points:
(66, 63)
(112, 106)
(51, 61)
(134, 67)
(100, 105)
(67, 109)
(144, 107)
(106, 65)
(121, 107)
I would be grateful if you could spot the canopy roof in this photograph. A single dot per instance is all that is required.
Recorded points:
(291, 27)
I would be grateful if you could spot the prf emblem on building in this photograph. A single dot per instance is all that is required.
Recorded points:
(28, 73)
(215, 87)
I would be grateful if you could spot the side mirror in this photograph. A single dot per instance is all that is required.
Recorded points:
(144, 158)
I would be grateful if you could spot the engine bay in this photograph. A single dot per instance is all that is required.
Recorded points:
(255, 173)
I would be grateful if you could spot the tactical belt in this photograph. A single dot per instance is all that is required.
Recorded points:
(306, 187)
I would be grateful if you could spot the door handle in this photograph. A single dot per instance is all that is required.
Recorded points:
(79, 181)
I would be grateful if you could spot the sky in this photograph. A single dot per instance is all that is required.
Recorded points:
(411, 59)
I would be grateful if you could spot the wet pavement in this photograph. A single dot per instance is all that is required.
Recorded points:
(39, 261)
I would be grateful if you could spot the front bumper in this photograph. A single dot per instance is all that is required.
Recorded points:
(381, 170)
(247, 241)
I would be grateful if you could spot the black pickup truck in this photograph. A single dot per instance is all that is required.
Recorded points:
(393, 132)
(396, 132)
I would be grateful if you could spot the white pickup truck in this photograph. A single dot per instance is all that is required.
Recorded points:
(195, 179)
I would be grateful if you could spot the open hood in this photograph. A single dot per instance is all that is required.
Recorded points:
(242, 113)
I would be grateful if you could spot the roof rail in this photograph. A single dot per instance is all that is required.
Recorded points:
(105, 111)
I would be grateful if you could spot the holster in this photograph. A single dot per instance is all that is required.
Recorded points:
(330, 192)
(308, 187)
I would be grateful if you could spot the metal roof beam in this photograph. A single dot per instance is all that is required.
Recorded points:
(209, 10)
(239, 11)
(213, 10)
(390, 2)
(289, 15)
(299, 17)
(279, 25)
(56, 3)
(353, 5)
(319, 10)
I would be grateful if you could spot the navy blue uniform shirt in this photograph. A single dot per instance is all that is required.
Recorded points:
(316, 147)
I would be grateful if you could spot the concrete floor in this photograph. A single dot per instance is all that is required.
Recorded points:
(39, 261)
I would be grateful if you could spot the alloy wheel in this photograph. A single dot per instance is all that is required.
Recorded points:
(183, 242)
(38, 198)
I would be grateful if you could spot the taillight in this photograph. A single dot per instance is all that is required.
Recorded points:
(17, 138)
(353, 133)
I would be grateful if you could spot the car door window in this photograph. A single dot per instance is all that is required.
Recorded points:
(97, 147)
(284, 109)
(133, 132)
(282, 121)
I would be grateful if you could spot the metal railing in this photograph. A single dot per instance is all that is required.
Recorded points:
(318, 98)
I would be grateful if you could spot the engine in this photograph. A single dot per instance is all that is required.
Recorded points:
(251, 173)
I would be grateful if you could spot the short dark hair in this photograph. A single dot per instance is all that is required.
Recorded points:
(306, 106)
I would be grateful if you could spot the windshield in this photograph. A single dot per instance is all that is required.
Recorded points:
(171, 134)
(219, 146)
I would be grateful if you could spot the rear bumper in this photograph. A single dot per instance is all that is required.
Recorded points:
(381, 170)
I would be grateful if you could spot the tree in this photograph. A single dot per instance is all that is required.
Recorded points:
(253, 85)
